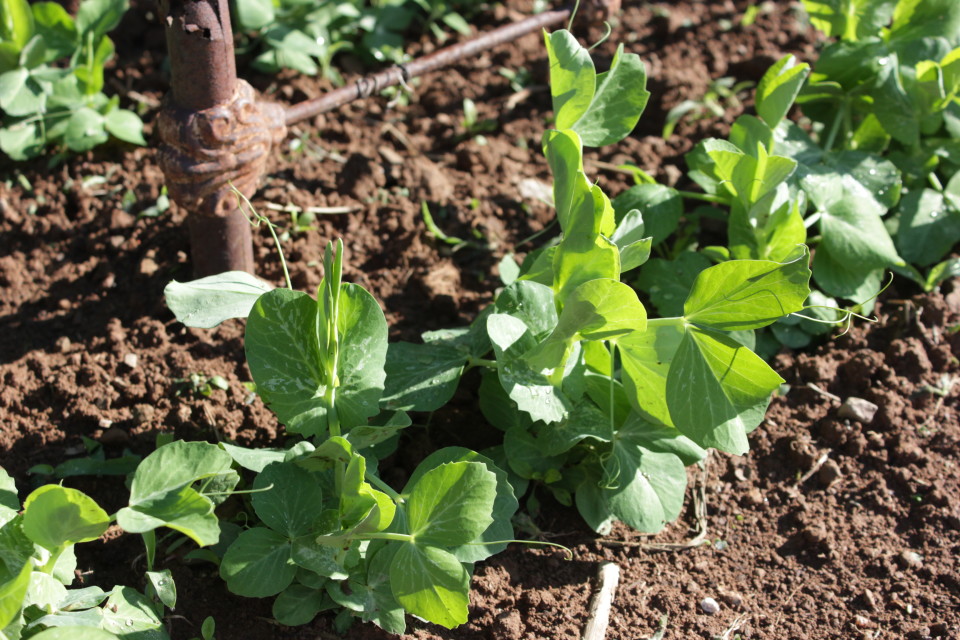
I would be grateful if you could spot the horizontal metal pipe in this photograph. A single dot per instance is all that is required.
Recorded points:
(370, 85)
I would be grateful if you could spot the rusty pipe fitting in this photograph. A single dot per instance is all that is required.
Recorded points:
(214, 133)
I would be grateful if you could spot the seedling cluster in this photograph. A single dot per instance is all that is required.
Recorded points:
(602, 401)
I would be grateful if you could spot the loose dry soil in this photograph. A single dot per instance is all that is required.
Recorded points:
(829, 528)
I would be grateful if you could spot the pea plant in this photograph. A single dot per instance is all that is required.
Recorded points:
(51, 78)
(305, 36)
(322, 530)
(593, 396)
(38, 563)
(871, 182)
(887, 94)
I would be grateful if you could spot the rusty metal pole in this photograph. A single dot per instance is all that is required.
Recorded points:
(214, 133)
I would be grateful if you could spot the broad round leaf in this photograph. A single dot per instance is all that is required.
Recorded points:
(451, 504)
(55, 516)
(287, 499)
(258, 564)
(430, 583)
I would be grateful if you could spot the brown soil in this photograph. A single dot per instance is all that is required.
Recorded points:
(829, 528)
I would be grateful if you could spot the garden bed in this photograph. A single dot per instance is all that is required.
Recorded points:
(864, 546)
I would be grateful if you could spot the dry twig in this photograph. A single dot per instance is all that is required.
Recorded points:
(599, 614)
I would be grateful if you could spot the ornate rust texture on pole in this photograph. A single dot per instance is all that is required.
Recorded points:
(214, 133)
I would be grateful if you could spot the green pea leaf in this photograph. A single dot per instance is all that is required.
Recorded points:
(9, 502)
(430, 583)
(13, 590)
(58, 29)
(928, 227)
(258, 563)
(718, 390)
(380, 606)
(129, 614)
(252, 15)
(617, 104)
(748, 294)
(659, 437)
(531, 302)
(643, 488)
(916, 19)
(285, 358)
(584, 253)
(298, 604)
(524, 384)
(421, 377)
(125, 125)
(162, 494)
(572, 78)
(55, 516)
(779, 88)
(850, 19)
(16, 22)
(74, 633)
(504, 504)
(164, 586)
(96, 17)
(600, 309)
(85, 130)
(287, 499)
(451, 504)
(668, 282)
(206, 302)
(646, 358)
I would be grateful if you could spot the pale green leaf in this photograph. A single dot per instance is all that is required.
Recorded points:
(55, 516)
(451, 504)
(779, 88)
(748, 294)
(430, 583)
(718, 390)
(572, 78)
(207, 302)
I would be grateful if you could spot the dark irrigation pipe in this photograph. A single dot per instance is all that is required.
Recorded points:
(216, 134)
(370, 85)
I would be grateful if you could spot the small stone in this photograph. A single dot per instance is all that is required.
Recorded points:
(63, 344)
(691, 587)
(109, 281)
(829, 473)
(875, 440)
(131, 360)
(114, 436)
(754, 497)
(64, 304)
(105, 423)
(143, 413)
(148, 266)
(863, 622)
(733, 599)
(912, 559)
(870, 599)
(857, 409)
(116, 241)
(709, 606)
